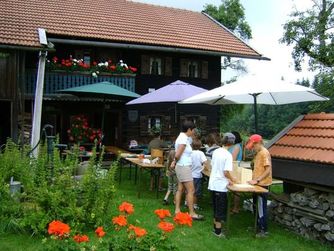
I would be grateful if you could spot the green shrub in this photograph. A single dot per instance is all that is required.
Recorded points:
(51, 191)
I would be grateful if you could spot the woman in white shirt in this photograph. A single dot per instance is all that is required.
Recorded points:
(182, 164)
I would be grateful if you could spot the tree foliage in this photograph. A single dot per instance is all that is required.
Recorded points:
(231, 14)
(311, 34)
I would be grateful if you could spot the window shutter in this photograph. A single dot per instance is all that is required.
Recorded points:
(145, 64)
(202, 124)
(143, 125)
(165, 130)
(183, 68)
(205, 69)
(168, 67)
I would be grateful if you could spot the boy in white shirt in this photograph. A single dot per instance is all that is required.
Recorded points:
(198, 162)
(220, 178)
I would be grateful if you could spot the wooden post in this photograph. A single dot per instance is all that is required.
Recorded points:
(37, 114)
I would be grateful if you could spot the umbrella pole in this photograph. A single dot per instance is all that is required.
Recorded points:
(255, 112)
(103, 115)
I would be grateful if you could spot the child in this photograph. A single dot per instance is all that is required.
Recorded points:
(220, 177)
(172, 180)
(262, 176)
(198, 160)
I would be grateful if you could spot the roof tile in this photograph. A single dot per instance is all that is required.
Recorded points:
(311, 139)
(117, 21)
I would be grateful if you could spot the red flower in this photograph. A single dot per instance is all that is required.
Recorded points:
(183, 219)
(81, 238)
(166, 226)
(94, 63)
(113, 67)
(125, 206)
(120, 220)
(133, 69)
(139, 232)
(58, 228)
(162, 213)
(55, 59)
(100, 232)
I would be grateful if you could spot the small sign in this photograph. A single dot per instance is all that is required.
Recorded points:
(133, 115)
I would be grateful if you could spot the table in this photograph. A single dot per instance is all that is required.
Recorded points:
(138, 163)
(242, 189)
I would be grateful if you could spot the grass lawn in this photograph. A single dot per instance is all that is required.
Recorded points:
(197, 238)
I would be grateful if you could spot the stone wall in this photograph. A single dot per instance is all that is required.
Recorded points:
(309, 213)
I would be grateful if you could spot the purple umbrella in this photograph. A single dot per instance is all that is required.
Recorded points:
(174, 92)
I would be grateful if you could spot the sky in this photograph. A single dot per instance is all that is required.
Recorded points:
(266, 19)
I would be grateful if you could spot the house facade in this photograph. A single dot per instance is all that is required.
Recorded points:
(158, 45)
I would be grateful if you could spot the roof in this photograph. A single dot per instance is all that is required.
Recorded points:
(116, 21)
(310, 139)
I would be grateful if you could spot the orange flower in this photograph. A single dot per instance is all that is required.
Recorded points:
(126, 207)
(139, 232)
(58, 228)
(120, 220)
(81, 238)
(100, 232)
(183, 219)
(166, 226)
(162, 213)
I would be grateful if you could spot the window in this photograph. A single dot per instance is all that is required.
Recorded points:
(190, 68)
(155, 66)
(153, 122)
(193, 69)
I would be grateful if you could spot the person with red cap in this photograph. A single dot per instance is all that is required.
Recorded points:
(262, 176)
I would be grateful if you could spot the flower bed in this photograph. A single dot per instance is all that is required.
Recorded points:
(122, 235)
(78, 65)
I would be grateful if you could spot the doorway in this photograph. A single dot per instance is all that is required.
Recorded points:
(112, 128)
(5, 117)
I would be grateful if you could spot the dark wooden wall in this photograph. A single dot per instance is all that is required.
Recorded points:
(207, 116)
(12, 67)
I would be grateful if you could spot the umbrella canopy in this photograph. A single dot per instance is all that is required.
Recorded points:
(102, 90)
(256, 90)
(266, 91)
(174, 92)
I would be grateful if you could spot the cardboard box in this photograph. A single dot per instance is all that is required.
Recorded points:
(242, 175)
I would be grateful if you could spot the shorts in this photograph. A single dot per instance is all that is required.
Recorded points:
(172, 183)
(183, 173)
(198, 187)
(219, 201)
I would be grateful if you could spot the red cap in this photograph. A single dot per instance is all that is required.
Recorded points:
(255, 138)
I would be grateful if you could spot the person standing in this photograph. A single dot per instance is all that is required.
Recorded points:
(262, 176)
(182, 164)
(198, 162)
(220, 178)
(236, 151)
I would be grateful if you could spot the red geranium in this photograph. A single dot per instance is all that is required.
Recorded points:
(162, 213)
(100, 232)
(81, 238)
(58, 228)
(126, 207)
(120, 220)
(139, 232)
(166, 226)
(183, 219)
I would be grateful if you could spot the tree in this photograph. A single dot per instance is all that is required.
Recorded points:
(232, 15)
(311, 33)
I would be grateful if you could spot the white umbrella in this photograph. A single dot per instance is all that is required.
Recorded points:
(256, 90)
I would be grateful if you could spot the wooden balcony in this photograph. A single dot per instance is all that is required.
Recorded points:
(59, 80)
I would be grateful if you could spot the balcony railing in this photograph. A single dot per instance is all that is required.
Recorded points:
(55, 81)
